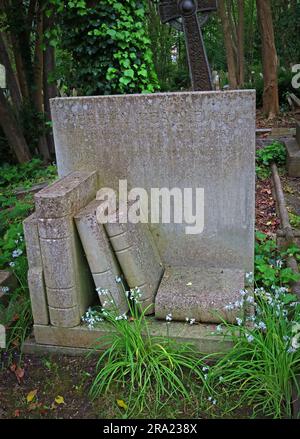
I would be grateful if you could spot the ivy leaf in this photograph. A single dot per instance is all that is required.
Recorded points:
(129, 73)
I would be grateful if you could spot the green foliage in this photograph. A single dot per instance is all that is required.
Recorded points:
(109, 46)
(294, 220)
(264, 363)
(274, 153)
(270, 263)
(145, 364)
(14, 209)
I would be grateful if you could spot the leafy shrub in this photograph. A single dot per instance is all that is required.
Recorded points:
(109, 46)
(274, 153)
(270, 264)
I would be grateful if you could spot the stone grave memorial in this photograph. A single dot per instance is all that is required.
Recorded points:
(167, 143)
(293, 153)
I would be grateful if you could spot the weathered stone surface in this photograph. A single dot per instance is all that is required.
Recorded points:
(200, 294)
(137, 255)
(298, 133)
(67, 195)
(69, 285)
(293, 157)
(32, 241)
(64, 317)
(184, 140)
(35, 276)
(81, 337)
(101, 259)
(38, 298)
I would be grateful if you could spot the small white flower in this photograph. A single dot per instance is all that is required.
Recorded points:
(169, 317)
(219, 328)
(221, 379)
(4, 290)
(205, 368)
(17, 253)
(192, 321)
(278, 263)
(291, 350)
(262, 326)
(243, 293)
(249, 338)
(12, 264)
(239, 321)
(250, 299)
(296, 341)
(118, 279)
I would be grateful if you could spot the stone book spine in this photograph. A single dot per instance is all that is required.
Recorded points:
(102, 262)
(138, 257)
(69, 285)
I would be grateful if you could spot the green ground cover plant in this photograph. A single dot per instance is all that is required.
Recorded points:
(273, 153)
(14, 208)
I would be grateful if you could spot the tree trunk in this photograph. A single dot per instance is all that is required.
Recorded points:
(241, 46)
(13, 132)
(50, 88)
(38, 82)
(228, 45)
(12, 83)
(269, 58)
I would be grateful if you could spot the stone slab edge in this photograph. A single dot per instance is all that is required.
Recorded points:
(81, 337)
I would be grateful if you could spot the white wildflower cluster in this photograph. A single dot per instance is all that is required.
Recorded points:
(246, 298)
(190, 321)
(134, 294)
(102, 292)
(121, 317)
(4, 290)
(91, 318)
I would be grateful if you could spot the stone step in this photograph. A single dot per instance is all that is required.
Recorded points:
(199, 294)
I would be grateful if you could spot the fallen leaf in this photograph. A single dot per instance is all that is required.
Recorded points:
(31, 395)
(59, 400)
(17, 413)
(19, 372)
(122, 404)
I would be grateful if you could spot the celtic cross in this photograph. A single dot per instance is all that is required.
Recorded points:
(187, 10)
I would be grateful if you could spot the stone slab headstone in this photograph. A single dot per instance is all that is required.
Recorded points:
(102, 261)
(69, 286)
(202, 140)
(293, 153)
(137, 255)
(195, 139)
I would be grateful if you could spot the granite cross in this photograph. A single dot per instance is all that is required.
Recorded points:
(187, 10)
